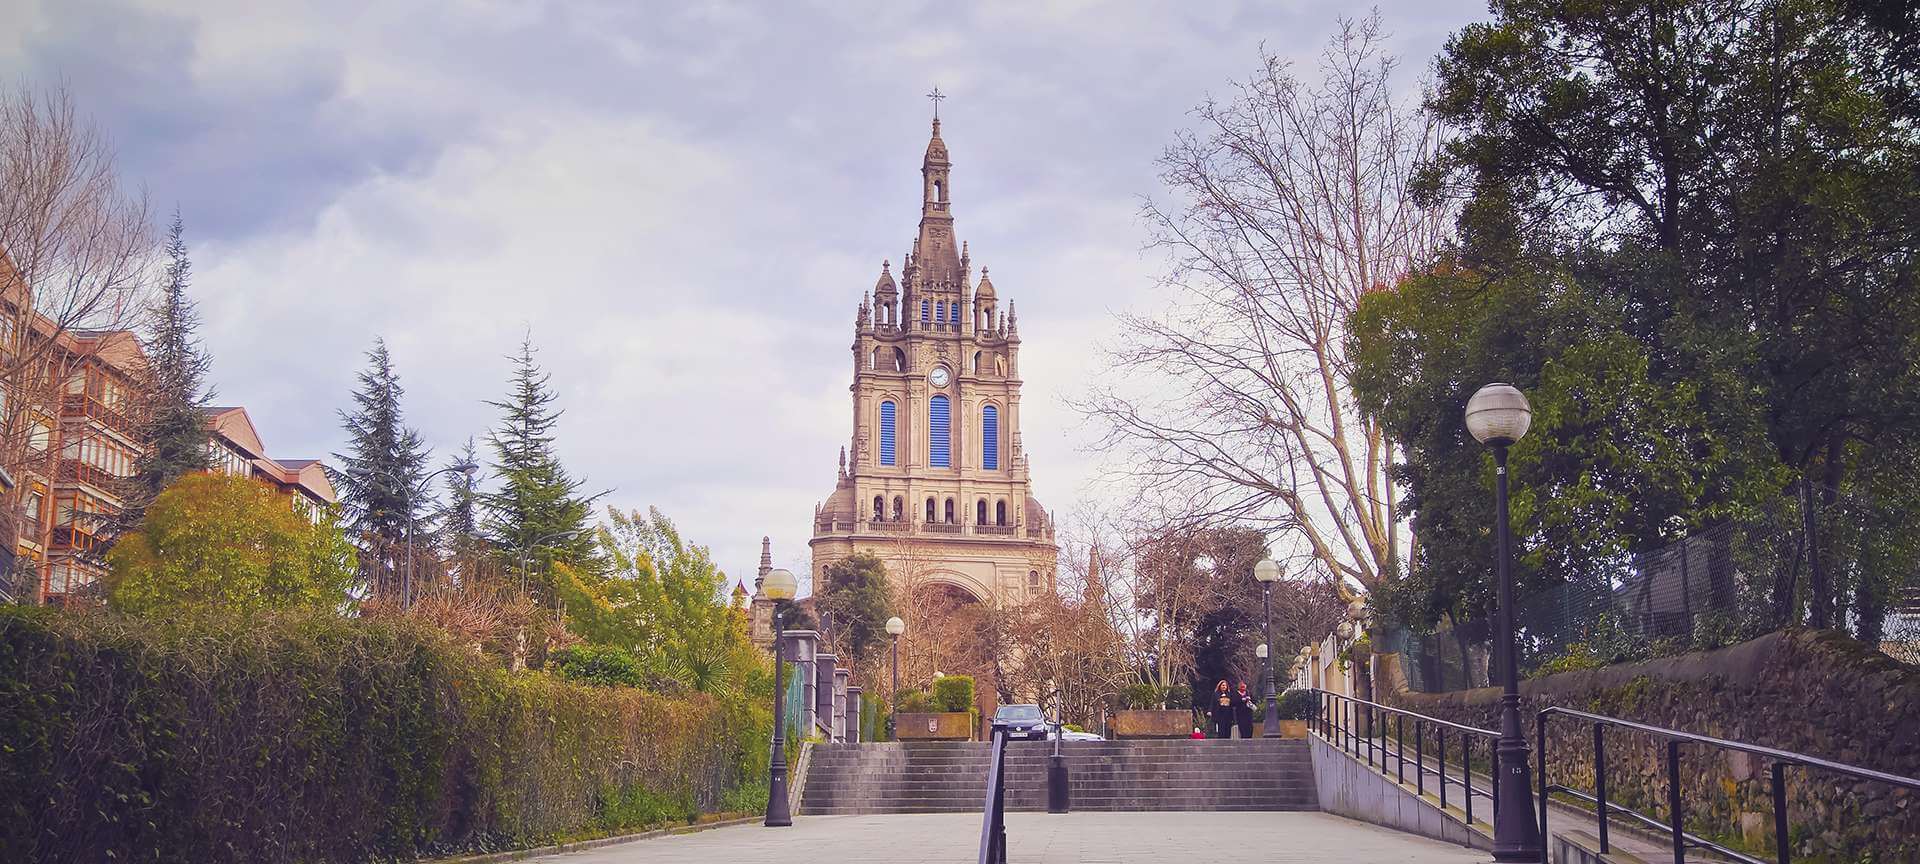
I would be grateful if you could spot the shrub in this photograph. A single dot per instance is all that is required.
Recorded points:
(308, 738)
(953, 693)
(1179, 696)
(606, 665)
(1141, 695)
(1298, 705)
(916, 702)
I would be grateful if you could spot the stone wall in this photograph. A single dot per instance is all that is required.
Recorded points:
(1814, 692)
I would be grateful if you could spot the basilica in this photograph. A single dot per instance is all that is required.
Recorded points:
(934, 480)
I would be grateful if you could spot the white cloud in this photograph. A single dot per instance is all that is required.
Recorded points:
(683, 205)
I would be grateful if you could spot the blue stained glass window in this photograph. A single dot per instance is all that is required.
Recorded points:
(990, 438)
(954, 312)
(886, 433)
(940, 312)
(939, 434)
(923, 311)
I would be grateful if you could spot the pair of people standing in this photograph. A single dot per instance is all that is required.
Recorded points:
(1230, 707)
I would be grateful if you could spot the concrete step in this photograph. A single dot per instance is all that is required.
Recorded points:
(937, 777)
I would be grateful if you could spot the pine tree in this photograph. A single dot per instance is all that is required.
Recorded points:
(459, 523)
(537, 511)
(381, 481)
(172, 416)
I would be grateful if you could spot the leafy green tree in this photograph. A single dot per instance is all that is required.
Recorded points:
(1615, 463)
(855, 593)
(221, 543)
(537, 508)
(1730, 183)
(661, 600)
(173, 418)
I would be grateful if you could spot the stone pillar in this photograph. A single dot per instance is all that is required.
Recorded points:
(841, 679)
(802, 645)
(853, 715)
(824, 665)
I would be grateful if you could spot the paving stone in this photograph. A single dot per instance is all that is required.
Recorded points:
(1039, 838)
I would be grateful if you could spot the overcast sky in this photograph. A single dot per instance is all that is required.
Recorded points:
(681, 201)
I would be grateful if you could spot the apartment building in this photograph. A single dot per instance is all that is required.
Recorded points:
(236, 449)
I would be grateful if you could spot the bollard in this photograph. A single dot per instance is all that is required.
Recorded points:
(1058, 788)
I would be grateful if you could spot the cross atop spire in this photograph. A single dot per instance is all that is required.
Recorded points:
(936, 96)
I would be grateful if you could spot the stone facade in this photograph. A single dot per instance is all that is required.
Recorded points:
(931, 352)
(1814, 692)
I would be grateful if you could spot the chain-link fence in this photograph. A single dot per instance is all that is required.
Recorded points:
(1711, 589)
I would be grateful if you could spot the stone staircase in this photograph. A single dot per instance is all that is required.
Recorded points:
(951, 776)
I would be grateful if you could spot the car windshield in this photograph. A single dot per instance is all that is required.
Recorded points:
(1018, 713)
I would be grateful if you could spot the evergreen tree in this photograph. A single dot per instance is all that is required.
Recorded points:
(459, 523)
(172, 415)
(381, 480)
(537, 512)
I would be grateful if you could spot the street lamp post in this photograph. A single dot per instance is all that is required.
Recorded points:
(895, 627)
(1267, 572)
(1498, 416)
(779, 586)
(406, 496)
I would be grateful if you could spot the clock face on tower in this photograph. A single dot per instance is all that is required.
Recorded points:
(939, 377)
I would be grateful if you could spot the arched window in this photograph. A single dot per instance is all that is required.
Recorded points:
(873, 360)
(1033, 580)
(899, 509)
(940, 313)
(899, 360)
(886, 433)
(879, 509)
(939, 433)
(939, 191)
(990, 438)
(953, 313)
(950, 516)
(999, 512)
(976, 363)
(980, 512)
(925, 310)
(929, 509)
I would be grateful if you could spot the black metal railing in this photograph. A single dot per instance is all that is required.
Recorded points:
(1351, 725)
(1682, 841)
(993, 824)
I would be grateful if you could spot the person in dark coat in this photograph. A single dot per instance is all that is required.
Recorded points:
(1243, 711)
(1220, 711)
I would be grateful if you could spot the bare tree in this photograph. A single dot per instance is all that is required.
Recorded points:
(75, 252)
(1290, 203)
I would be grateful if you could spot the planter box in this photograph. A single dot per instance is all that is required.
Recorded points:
(955, 726)
(1167, 723)
(1293, 728)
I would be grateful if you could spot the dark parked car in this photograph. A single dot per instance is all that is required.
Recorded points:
(1022, 721)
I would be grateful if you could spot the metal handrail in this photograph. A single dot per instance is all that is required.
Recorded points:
(1338, 714)
(993, 823)
(1682, 840)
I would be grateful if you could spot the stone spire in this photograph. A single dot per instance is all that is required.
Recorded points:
(1013, 322)
(936, 251)
(766, 563)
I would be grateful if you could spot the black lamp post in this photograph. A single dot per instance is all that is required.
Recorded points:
(779, 586)
(1498, 416)
(895, 627)
(1267, 572)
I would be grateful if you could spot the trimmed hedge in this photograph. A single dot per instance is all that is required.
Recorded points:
(316, 739)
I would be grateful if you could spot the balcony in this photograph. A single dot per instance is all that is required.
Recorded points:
(75, 471)
(941, 527)
(80, 405)
(995, 530)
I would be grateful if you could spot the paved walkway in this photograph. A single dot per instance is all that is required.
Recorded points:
(1039, 838)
